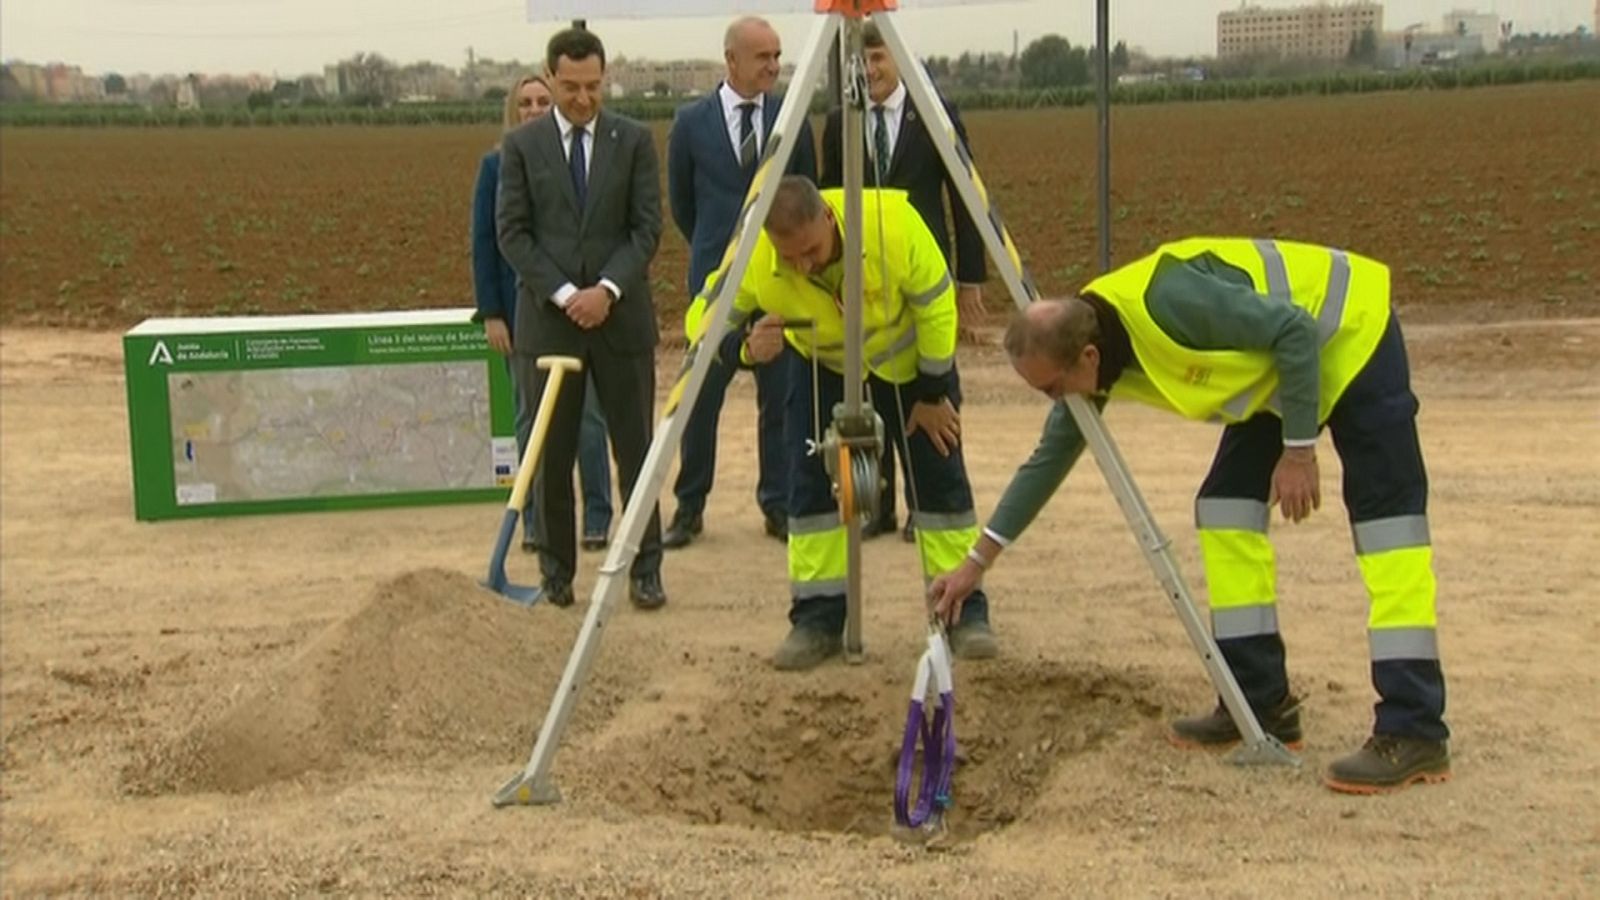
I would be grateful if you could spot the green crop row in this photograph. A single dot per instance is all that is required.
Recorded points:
(1333, 82)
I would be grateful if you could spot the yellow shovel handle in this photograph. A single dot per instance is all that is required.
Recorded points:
(558, 366)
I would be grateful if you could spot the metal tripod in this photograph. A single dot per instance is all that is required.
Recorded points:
(533, 785)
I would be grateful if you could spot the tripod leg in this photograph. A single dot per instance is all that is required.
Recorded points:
(853, 80)
(533, 784)
(1259, 747)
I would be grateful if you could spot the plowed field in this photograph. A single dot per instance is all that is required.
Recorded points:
(1484, 202)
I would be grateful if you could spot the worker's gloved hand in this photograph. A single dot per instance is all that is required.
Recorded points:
(939, 421)
(1296, 485)
(765, 340)
(949, 591)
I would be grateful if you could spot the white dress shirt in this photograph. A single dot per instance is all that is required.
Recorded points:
(566, 138)
(731, 116)
(893, 108)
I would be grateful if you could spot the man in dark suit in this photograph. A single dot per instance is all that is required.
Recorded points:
(579, 217)
(711, 157)
(900, 154)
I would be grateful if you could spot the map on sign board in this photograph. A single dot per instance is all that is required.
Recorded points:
(330, 431)
(544, 10)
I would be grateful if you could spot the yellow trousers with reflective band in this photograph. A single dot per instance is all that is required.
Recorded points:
(1385, 488)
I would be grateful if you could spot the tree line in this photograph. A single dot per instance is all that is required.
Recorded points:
(1050, 73)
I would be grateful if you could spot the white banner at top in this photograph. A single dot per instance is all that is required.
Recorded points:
(545, 10)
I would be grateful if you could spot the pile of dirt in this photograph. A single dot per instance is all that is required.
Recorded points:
(431, 665)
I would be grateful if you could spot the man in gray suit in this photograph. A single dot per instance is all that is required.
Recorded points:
(579, 217)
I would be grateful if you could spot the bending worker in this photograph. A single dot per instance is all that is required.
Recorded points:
(909, 315)
(1276, 339)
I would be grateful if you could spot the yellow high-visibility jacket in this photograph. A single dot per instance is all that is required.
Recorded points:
(909, 304)
(1346, 294)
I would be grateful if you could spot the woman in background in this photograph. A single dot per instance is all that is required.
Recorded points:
(495, 285)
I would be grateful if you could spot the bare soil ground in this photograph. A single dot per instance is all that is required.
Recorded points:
(325, 702)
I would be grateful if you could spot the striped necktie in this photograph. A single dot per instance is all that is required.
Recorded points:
(747, 135)
(880, 145)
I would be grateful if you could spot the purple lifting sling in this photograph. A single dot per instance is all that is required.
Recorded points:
(937, 736)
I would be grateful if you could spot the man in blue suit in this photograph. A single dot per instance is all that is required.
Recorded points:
(711, 158)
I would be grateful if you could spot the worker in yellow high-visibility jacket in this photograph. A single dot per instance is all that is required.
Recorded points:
(909, 313)
(1276, 339)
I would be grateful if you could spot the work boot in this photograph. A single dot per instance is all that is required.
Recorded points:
(1217, 730)
(1389, 762)
(973, 640)
(806, 648)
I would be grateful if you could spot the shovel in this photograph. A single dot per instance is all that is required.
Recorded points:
(558, 367)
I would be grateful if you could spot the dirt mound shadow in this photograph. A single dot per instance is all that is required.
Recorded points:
(819, 752)
(431, 665)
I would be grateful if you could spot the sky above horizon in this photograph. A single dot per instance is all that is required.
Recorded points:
(295, 37)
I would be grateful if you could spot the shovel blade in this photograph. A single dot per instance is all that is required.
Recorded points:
(496, 579)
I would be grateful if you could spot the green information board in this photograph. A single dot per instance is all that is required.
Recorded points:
(264, 414)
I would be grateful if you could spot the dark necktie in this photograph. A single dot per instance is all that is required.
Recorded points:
(580, 167)
(747, 136)
(880, 145)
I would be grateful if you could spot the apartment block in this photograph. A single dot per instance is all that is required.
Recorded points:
(1319, 31)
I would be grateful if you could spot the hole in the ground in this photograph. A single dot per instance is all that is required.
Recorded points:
(818, 752)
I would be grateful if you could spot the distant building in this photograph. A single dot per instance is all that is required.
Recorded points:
(55, 83)
(1461, 35)
(188, 93)
(489, 74)
(680, 77)
(1481, 27)
(333, 81)
(1400, 50)
(428, 82)
(30, 79)
(1320, 31)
